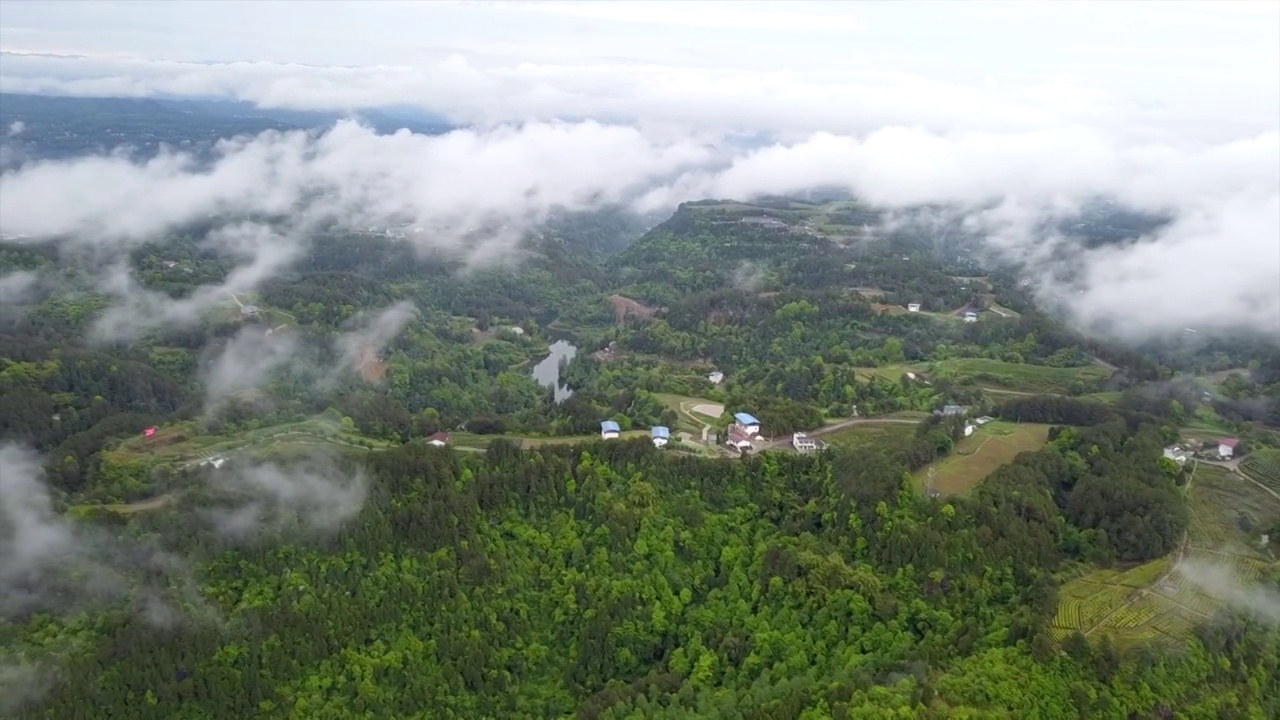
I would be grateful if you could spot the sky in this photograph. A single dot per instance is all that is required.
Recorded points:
(1171, 107)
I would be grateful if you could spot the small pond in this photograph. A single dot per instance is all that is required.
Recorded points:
(547, 372)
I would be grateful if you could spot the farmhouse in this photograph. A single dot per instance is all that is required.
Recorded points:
(738, 439)
(971, 317)
(747, 422)
(439, 439)
(804, 443)
(609, 430)
(950, 411)
(1227, 447)
(913, 307)
(968, 429)
(983, 420)
(248, 311)
(1176, 454)
(716, 377)
(660, 435)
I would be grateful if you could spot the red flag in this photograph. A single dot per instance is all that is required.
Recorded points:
(149, 431)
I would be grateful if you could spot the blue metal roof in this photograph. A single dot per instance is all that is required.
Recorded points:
(745, 419)
(609, 426)
(659, 431)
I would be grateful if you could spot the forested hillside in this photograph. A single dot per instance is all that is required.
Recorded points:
(611, 582)
(242, 515)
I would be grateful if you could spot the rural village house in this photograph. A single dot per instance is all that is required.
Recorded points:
(1227, 447)
(748, 423)
(609, 430)
(660, 435)
(739, 439)
(805, 443)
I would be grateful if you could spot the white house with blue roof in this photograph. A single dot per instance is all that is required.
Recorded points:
(661, 435)
(748, 422)
(609, 430)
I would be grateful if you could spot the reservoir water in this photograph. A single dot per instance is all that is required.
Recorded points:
(547, 372)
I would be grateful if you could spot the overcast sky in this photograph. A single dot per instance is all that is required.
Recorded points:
(1017, 64)
(1171, 107)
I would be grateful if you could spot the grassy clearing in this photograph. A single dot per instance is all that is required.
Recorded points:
(686, 409)
(892, 373)
(1264, 466)
(182, 443)
(977, 456)
(1020, 376)
(1110, 396)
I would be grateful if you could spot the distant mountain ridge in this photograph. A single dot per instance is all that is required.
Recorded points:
(53, 127)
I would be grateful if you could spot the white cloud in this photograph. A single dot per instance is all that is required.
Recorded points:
(1168, 109)
(262, 252)
(371, 332)
(1216, 266)
(244, 363)
(315, 495)
(16, 286)
(51, 563)
(775, 99)
(1221, 582)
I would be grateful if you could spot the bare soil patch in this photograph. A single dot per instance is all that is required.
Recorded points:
(371, 366)
(891, 309)
(624, 307)
(710, 410)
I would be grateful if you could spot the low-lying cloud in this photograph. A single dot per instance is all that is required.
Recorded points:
(48, 562)
(258, 351)
(1221, 582)
(315, 495)
(17, 286)
(1214, 266)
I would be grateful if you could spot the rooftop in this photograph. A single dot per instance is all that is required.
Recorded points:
(746, 418)
(1229, 442)
(609, 426)
(659, 431)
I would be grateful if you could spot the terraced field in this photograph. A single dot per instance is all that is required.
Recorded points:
(1020, 376)
(1264, 466)
(1167, 598)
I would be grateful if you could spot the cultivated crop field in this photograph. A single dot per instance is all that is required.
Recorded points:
(1020, 376)
(866, 435)
(1123, 605)
(1154, 600)
(1264, 466)
(1227, 511)
(977, 456)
